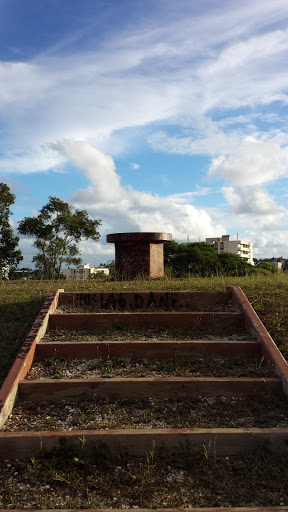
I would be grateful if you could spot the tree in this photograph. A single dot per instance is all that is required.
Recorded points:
(263, 267)
(233, 265)
(58, 230)
(110, 264)
(197, 258)
(9, 254)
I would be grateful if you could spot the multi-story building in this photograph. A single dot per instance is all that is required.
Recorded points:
(242, 248)
(83, 272)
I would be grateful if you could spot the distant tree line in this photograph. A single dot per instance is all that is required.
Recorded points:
(201, 259)
(271, 262)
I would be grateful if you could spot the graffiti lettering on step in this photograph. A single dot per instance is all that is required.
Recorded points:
(129, 301)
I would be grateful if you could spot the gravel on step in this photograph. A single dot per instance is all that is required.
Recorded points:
(65, 368)
(263, 411)
(149, 334)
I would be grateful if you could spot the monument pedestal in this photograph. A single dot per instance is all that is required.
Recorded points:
(139, 255)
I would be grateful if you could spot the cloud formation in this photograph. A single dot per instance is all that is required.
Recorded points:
(268, 244)
(253, 162)
(167, 64)
(256, 207)
(125, 209)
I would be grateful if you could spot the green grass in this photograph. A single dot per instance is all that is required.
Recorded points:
(20, 302)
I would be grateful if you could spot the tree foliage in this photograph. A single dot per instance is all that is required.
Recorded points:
(194, 258)
(200, 258)
(58, 230)
(10, 255)
(263, 267)
(233, 265)
(110, 264)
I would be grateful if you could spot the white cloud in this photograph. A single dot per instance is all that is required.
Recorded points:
(99, 168)
(34, 159)
(254, 206)
(251, 200)
(126, 209)
(135, 166)
(254, 162)
(200, 135)
(267, 245)
(183, 197)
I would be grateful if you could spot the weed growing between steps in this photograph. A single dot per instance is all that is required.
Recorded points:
(86, 309)
(215, 366)
(120, 333)
(87, 478)
(263, 411)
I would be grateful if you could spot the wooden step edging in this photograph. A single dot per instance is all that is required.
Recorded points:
(172, 319)
(24, 359)
(253, 324)
(172, 350)
(144, 388)
(219, 442)
(193, 509)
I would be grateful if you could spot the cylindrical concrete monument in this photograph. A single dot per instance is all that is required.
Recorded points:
(139, 254)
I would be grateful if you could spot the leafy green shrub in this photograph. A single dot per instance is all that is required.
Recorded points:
(265, 268)
(201, 259)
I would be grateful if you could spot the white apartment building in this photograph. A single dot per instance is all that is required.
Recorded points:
(83, 271)
(242, 248)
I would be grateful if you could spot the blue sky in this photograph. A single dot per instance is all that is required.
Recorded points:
(153, 115)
